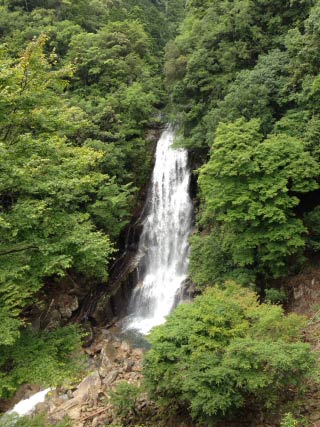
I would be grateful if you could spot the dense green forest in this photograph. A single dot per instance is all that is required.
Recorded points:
(243, 80)
(81, 84)
(243, 84)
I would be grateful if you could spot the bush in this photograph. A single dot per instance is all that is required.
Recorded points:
(275, 296)
(46, 358)
(289, 421)
(124, 400)
(224, 352)
(37, 421)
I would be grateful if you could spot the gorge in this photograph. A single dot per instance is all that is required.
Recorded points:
(102, 231)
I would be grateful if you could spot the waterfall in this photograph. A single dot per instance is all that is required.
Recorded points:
(163, 247)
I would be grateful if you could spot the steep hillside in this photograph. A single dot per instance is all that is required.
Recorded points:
(81, 86)
(243, 79)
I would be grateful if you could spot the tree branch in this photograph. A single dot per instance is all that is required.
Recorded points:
(12, 251)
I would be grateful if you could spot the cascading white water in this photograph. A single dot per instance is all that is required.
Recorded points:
(163, 246)
(28, 406)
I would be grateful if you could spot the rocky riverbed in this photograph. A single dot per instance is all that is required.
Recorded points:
(112, 361)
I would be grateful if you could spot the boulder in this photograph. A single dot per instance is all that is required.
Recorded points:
(103, 311)
(137, 353)
(72, 409)
(88, 388)
(109, 351)
(53, 319)
(106, 366)
(128, 365)
(125, 347)
(111, 377)
(67, 304)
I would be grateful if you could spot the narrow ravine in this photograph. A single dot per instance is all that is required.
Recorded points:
(163, 247)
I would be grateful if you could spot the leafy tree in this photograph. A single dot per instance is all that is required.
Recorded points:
(74, 153)
(219, 39)
(111, 56)
(225, 352)
(257, 93)
(46, 183)
(124, 400)
(249, 187)
(47, 358)
(211, 258)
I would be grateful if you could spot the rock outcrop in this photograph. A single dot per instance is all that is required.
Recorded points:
(88, 404)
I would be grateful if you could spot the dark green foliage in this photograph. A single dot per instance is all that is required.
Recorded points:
(257, 93)
(217, 41)
(46, 184)
(37, 421)
(47, 358)
(250, 60)
(211, 258)
(248, 189)
(124, 400)
(275, 296)
(312, 221)
(225, 352)
(80, 83)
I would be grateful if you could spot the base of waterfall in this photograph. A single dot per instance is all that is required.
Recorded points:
(142, 325)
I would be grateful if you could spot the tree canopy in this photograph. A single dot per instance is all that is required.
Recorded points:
(80, 86)
(249, 189)
(224, 353)
(243, 82)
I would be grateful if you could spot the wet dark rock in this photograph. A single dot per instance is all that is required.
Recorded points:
(102, 311)
(67, 304)
(54, 319)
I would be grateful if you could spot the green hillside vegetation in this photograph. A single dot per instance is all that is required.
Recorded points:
(224, 354)
(82, 82)
(243, 78)
(80, 85)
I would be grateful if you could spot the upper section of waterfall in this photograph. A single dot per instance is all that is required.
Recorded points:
(163, 247)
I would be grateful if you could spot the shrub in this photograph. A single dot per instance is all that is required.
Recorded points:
(275, 296)
(45, 358)
(289, 421)
(224, 352)
(37, 421)
(124, 400)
